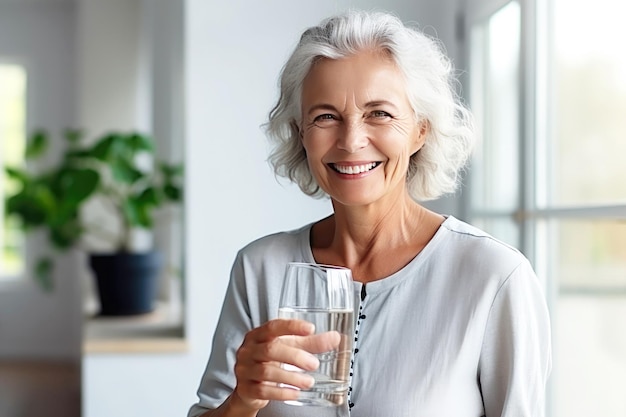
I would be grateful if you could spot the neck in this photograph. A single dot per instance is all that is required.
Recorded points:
(371, 225)
(358, 237)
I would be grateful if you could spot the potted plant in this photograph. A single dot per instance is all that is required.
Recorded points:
(119, 171)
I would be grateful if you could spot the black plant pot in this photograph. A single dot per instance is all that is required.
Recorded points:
(127, 282)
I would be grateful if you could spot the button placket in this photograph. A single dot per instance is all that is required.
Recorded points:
(355, 351)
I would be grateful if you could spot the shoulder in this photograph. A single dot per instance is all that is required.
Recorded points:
(472, 243)
(269, 254)
(478, 257)
(259, 267)
(288, 244)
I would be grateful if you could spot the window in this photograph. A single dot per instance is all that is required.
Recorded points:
(12, 145)
(496, 186)
(548, 87)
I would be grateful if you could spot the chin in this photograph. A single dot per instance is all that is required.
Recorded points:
(355, 199)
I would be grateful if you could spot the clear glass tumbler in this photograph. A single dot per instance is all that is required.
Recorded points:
(324, 296)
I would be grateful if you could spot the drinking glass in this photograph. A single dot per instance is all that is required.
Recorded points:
(324, 296)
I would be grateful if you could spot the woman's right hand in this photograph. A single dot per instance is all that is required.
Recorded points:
(258, 370)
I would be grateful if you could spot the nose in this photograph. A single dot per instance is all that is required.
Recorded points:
(353, 137)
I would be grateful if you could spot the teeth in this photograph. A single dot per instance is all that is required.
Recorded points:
(354, 169)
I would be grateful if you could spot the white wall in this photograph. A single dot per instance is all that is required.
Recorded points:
(233, 53)
(108, 65)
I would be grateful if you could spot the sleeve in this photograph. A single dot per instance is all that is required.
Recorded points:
(218, 380)
(515, 360)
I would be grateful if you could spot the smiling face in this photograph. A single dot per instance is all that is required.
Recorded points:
(358, 128)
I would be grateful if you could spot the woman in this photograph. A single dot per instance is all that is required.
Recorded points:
(452, 321)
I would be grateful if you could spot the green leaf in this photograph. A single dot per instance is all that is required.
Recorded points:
(43, 274)
(102, 150)
(64, 235)
(73, 136)
(124, 171)
(18, 174)
(74, 155)
(140, 142)
(149, 196)
(44, 197)
(33, 205)
(76, 185)
(137, 213)
(131, 213)
(22, 206)
(138, 208)
(37, 144)
(173, 192)
(170, 171)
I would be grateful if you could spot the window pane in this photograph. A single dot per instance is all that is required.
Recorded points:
(590, 356)
(12, 143)
(589, 103)
(590, 255)
(590, 331)
(495, 102)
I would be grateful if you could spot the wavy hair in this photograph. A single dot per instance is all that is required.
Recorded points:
(430, 85)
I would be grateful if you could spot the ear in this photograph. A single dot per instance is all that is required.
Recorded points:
(423, 129)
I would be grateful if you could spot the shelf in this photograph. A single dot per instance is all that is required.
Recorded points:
(130, 345)
(160, 331)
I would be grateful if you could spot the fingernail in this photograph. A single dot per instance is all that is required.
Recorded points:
(312, 362)
(309, 327)
(310, 381)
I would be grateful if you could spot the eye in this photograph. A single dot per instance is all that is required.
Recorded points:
(379, 114)
(324, 117)
(325, 120)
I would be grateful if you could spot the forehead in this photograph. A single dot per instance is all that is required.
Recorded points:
(363, 74)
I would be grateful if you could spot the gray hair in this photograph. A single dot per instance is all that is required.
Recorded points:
(435, 169)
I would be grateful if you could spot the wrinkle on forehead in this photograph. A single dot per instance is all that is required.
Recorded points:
(349, 86)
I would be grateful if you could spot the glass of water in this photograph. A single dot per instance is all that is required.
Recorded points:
(324, 296)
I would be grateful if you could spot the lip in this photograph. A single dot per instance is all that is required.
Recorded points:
(355, 170)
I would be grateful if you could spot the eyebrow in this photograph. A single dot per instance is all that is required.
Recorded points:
(369, 104)
(322, 106)
(376, 103)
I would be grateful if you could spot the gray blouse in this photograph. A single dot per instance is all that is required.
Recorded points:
(461, 331)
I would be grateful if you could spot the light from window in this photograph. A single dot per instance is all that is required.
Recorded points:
(587, 108)
(588, 73)
(590, 332)
(12, 144)
(495, 100)
(496, 168)
(590, 256)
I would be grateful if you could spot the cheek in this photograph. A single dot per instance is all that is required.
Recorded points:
(413, 143)
(397, 145)
(314, 156)
(316, 143)
(306, 144)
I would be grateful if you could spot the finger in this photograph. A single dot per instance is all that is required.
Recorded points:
(282, 375)
(300, 350)
(270, 382)
(318, 343)
(268, 391)
(280, 327)
(280, 352)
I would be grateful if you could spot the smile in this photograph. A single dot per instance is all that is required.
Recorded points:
(354, 169)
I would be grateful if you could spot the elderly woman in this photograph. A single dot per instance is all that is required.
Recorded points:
(453, 322)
